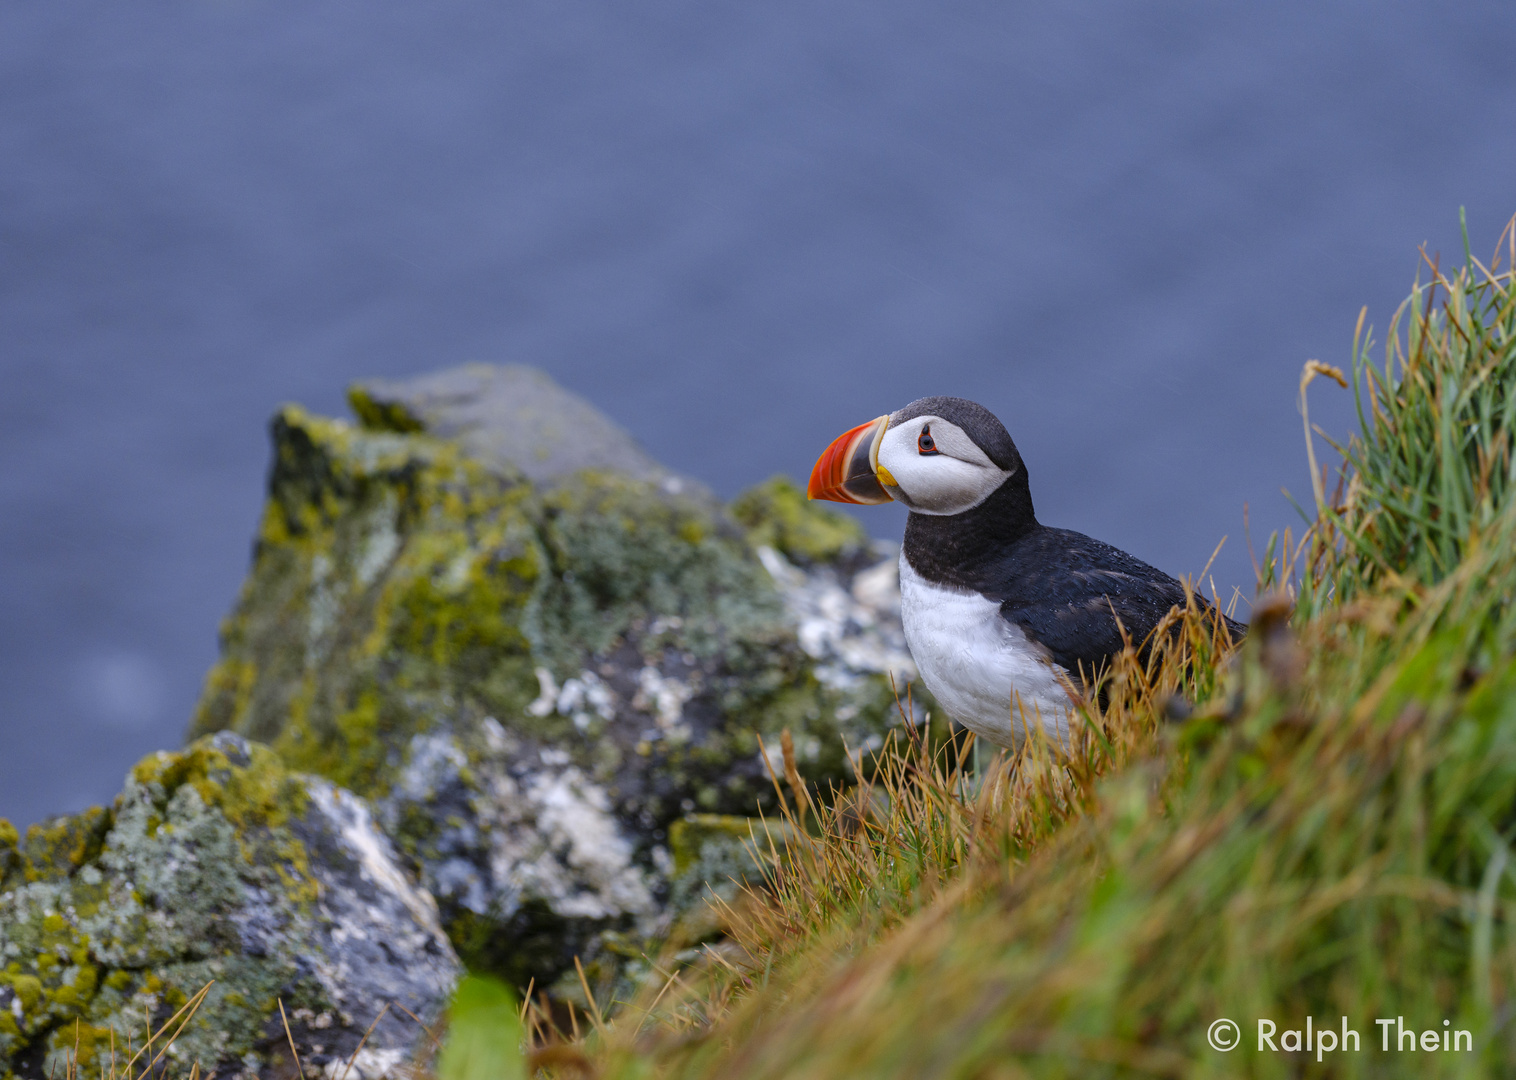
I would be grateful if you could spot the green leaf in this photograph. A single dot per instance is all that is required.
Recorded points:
(484, 1034)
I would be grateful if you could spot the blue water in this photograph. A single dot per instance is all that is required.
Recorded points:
(737, 228)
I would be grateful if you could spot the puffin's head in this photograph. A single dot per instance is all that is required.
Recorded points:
(938, 455)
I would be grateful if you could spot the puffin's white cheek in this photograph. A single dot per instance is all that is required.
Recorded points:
(938, 484)
(956, 487)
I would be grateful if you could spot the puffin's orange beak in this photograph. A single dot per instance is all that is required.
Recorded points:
(847, 471)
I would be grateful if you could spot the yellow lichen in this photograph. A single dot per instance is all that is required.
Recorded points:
(10, 851)
(777, 514)
(381, 416)
(59, 846)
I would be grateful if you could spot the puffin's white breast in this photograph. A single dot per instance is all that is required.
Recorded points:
(982, 670)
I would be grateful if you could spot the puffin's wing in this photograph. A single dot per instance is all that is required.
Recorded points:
(1066, 591)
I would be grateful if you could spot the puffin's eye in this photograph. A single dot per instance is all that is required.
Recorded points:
(925, 443)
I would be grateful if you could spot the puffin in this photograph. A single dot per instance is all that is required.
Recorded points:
(1007, 619)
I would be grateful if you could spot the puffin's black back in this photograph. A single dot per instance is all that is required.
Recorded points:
(1064, 589)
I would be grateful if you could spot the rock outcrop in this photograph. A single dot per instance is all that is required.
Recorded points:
(216, 866)
(508, 417)
(535, 651)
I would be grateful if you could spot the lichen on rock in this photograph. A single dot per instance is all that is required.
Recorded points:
(215, 866)
(389, 574)
(534, 667)
(776, 514)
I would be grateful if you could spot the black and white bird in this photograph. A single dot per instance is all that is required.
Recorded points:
(1005, 617)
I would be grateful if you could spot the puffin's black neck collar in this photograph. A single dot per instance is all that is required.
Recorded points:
(960, 550)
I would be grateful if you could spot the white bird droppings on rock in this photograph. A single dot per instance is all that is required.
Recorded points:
(566, 847)
(583, 693)
(852, 633)
(547, 696)
(580, 696)
(434, 760)
(664, 696)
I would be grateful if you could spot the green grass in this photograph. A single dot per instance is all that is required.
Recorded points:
(1431, 469)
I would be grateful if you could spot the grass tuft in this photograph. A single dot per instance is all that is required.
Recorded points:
(1430, 473)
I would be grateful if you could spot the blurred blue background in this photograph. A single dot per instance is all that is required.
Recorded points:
(736, 228)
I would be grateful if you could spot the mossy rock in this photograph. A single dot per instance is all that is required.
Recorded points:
(777, 514)
(534, 680)
(51, 849)
(386, 568)
(216, 866)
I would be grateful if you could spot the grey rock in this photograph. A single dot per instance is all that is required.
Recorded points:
(377, 938)
(509, 415)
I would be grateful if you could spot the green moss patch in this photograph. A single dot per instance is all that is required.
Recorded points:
(387, 587)
(776, 513)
